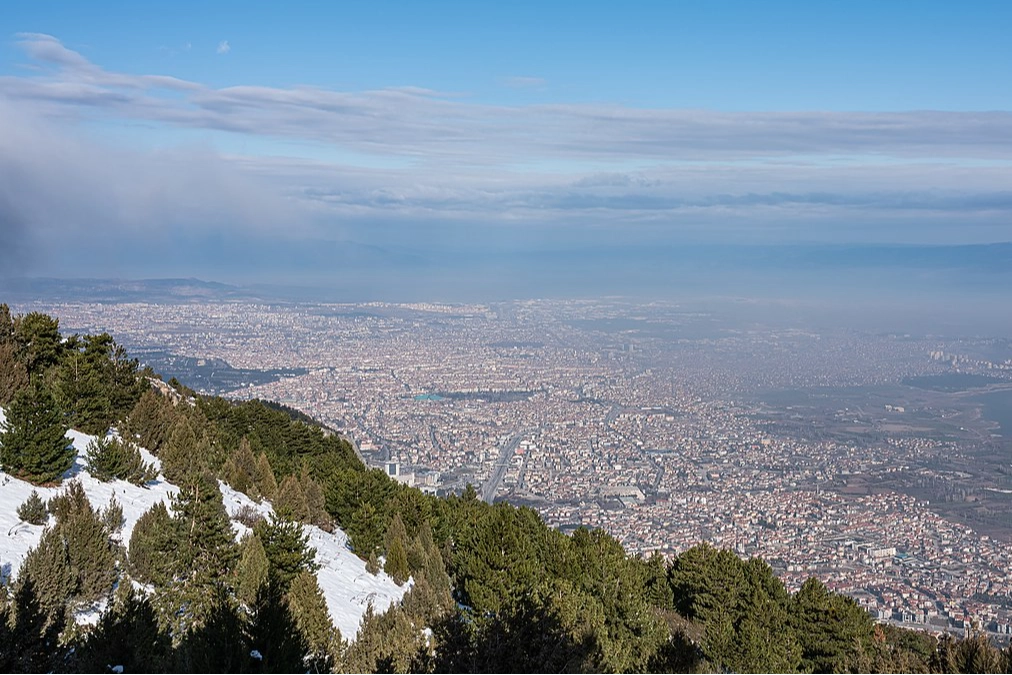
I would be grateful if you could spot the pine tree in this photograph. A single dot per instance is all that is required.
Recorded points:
(126, 635)
(251, 571)
(240, 471)
(309, 609)
(38, 341)
(316, 503)
(290, 502)
(80, 531)
(183, 456)
(265, 480)
(364, 531)
(112, 516)
(151, 420)
(274, 635)
(287, 549)
(34, 510)
(48, 572)
(33, 444)
(110, 458)
(154, 546)
(29, 638)
(80, 390)
(209, 551)
(13, 375)
(396, 564)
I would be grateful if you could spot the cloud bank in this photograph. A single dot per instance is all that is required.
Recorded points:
(414, 166)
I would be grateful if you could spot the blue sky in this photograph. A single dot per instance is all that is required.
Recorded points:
(466, 126)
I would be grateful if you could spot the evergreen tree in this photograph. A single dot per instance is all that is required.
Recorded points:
(34, 510)
(219, 642)
(251, 570)
(80, 389)
(265, 481)
(80, 531)
(386, 643)
(151, 420)
(240, 471)
(29, 637)
(364, 531)
(287, 549)
(208, 551)
(274, 634)
(110, 458)
(154, 546)
(127, 635)
(38, 342)
(309, 609)
(112, 517)
(316, 503)
(183, 457)
(13, 374)
(50, 579)
(33, 444)
(829, 627)
(290, 502)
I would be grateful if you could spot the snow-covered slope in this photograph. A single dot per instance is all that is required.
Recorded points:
(346, 584)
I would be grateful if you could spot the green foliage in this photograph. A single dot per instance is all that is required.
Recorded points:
(208, 549)
(740, 605)
(396, 549)
(110, 458)
(251, 571)
(112, 516)
(274, 634)
(266, 484)
(830, 627)
(365, 530)
(127, 635)
(47, 572)
(13, 374)
(286, 442)
(37, 341)
(80, 531)
(154, 546)
(34, 510)
(33, 444)
(151, 420)
(240, 471)
(183, 456)
(309, 609)
(288, 551)
(96, 384)
(290, 502)
(386, 643)
(29, 634)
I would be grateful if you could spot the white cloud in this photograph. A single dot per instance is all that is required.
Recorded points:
(411, 153)
(224, 47)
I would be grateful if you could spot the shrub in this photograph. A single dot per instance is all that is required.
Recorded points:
(34, 510)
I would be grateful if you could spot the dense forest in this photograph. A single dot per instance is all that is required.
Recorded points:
(493, 588)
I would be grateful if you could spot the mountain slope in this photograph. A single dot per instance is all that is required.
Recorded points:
(347, 586)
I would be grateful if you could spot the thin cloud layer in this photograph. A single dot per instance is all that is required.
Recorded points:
(414, 165)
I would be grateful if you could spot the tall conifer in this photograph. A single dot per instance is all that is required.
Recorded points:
(33, 444)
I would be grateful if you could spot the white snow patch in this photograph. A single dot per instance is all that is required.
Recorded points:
(347, 587)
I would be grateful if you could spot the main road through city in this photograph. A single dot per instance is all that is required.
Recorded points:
(492, 484)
